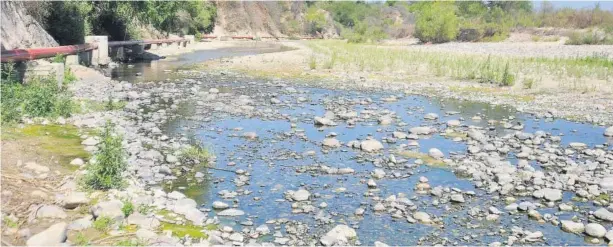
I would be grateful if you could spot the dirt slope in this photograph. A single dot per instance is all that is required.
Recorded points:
(20, 30)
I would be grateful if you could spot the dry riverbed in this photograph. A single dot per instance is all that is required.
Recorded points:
(313, 157)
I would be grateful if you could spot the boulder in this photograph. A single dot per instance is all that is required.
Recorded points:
(371, 145)
(301, 195)
(51, 211)
(423, 130)
(231, 212)
(143, 221)
(339, 235)
(331, 142)
(53, 236)
(603, 214)
(436, 153)
(73, 200)
(608, 132)
(595, 230)
(111, 209)
(571, 226)
(220, 205)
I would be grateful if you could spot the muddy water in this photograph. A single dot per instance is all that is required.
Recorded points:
(275, 159)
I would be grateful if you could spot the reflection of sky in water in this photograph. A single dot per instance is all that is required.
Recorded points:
(271, 165)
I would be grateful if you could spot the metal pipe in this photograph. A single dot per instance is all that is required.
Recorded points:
(47, 52)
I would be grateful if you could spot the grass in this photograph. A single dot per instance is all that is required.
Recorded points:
(498, 70)
(106, 173)
(102, 223)
(603, 197)
(424, 157)
(41, 97)
(187, 230)
(88, 106)
(80, 239)
(60, 141)
(10, 223)
(128, 208)
(312, 62)
(195, 153)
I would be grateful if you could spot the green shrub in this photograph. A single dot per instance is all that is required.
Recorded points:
(436, 23)
(105, 173)
(128, 208)
(590, 38)
(508, 79)
(102, 223)
(40, 97)
(312, 62)
(195, 153)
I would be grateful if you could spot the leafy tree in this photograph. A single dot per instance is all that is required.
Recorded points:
(436, 23)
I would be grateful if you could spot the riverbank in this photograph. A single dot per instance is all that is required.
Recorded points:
(542, 92)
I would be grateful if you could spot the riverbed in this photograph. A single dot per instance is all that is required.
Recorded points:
(268, 145)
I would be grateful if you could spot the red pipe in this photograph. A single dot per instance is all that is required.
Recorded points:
(47, 52)
(242, 37)
(160, 41)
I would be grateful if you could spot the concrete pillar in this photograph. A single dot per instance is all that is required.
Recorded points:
(35, 69)
(154, 46)
(72, 60)
(191, 39)
(100, 56)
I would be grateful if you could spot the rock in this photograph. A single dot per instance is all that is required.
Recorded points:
(236, 237)
(275, 101)
(422, 130)
(457, 198)
(435, 153)
(577, 145)
(386, 120)
(371, 145)
(111, 209)
(301, 195)
(176, 195)
(220, 205)
(534, 236)
(371, 183)
(250, 135)
(339, 235)
(378, 174)
(359, 211)
(194, 215)
(380, 244)
(565, 207)
(595, 230)
(75, 199)
(431, 116)
(53, 236)
(82, 223)
(324, 121)
(400, 135)
(608, 132)
(143, 221)
(36, 167)
(606, 183)
(603, 214)
(213, 90)
(552, 194)
(331, 142)
(90, 141)
(422, 217)
(476, 135)
(77, 162)
(609, 235)
(453, 123)
(51, 211)
(171, 158)
(132, 95)
(262, 230)
(379, 207)
(571, 226)
(231, 212)
(145, 234)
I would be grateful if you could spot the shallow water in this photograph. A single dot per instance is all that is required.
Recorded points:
(273, 159)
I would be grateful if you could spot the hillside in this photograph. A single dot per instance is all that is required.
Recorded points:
(21, 30)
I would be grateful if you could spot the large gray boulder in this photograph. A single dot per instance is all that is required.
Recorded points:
(371, 145)
(595, 230)
(51, 211)
(52, 236)
(603, 214)
(339, 235)
(111, 209)
(143, 221)
(608, 132)
(571, 226)
(73, 200)
(301, 195)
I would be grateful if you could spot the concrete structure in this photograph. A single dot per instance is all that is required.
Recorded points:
(33, 70)
(99, 56)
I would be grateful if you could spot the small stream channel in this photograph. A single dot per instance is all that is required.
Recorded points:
(287, 138)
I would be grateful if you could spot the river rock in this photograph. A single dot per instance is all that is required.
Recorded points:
(220, 205)
(378, 174)
(339, 235)
(606, 183)
(476, 135)
(262, 230)
(36, 167)
(595, 230)
(171, 159)
(324, 121)
(236, 237)
(552, 194)
(422, 217)
(301, 195)
(457, 198)
(331, 142)
(453, 123)
(77, 162)
(422, 130)
(75, 199)
(436, 153)
(609, 132)
(82, 223)
(571, 226)
(51, 211)
(176, 195)
(143, 221)
(603, 214)
(371, 145)
(231, 212)
(53, 236)
(111, 209)
(90, 141)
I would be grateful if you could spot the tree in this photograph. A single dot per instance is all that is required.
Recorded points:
(436, 22)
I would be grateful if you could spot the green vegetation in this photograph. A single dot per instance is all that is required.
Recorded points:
(424, 157)
(187, 230)
(81, 239)
(102, 223)
(195, 153)
(10, 223)
(128, 208)
(590, 38)
(69, 22)
(105, 173)
(312, 62)
(40, 97)
(498, 70)
(129, 242)
(436, 22)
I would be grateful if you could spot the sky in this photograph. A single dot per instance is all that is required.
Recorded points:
(607, 5)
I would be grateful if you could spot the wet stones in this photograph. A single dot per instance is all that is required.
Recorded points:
(431, 116)
(422, 130)
(378, 174)
(111, 209)
(51, 211)
(453, 123)
(300, 195)
(603, 214)
(322, 121)
(231, 212)
(77, 162)
(548, 194)
(436, 153)
(371, 145)
(573, 227)
(386, 120)
(608, 132)
(73, 200)
(422, 217)
(457, 198)
(595, 230)
(339, 235)
(250, 135)
(220, 205)
(331, 142)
